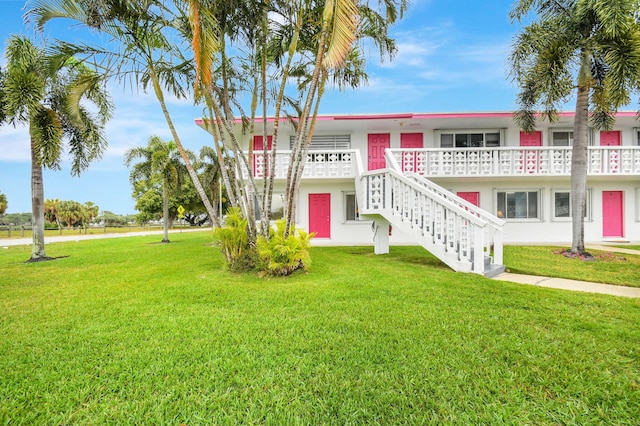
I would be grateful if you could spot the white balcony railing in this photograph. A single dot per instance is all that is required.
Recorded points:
(516, 161)
(320, 164)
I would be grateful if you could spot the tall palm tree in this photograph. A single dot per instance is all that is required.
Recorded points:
(161, 164)
(48, 94)
(148, 55)
(599, 39)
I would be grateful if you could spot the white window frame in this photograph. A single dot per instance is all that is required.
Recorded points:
(588, 209)
(554, 130)
(484, 132)
(326, 142)
(503, 215)
(346, 195)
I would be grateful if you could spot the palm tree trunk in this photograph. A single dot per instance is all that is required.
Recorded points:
(297, 160)
(192, 173)
(37, 206)
(165, 212)
(579, 155)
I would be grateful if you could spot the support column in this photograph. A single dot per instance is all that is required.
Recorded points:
(381, 236)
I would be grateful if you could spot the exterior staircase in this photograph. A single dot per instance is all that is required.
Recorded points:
(463, 236)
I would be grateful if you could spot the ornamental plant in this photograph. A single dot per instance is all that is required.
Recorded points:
(284, 252)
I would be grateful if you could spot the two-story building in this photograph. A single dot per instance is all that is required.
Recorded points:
(366, 172)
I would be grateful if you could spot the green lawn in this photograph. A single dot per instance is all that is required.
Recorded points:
(608, 267)
(129, 331)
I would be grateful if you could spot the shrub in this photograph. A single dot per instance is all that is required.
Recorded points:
(234, 242)
(282, 256)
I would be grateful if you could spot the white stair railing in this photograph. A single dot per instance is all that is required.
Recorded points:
(452, 233)
(494, 238)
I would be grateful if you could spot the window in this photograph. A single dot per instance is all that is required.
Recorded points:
(469, 139)
(518, 204)
(326, 142)
(351, 212)
(277, 206)
(562, 204)
(562, 138)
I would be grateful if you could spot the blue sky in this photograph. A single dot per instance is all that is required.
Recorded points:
(451, 58)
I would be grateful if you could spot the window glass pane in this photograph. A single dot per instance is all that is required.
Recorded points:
(492, 139)
(351, 208)
(462, 140)
(477, 140)
(501, 205)
(520, 205)
(562, 202)
(446, 140)
(561, 138)
(532, 204)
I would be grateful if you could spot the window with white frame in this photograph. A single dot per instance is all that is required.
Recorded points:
(277, 206)
(518, 204)
(326, 142)
(561, 204)
(470, 138)
(561, 138)
(351, 212)
(564, 137)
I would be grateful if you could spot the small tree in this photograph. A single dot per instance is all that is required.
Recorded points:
(4, 204)
(161, 166)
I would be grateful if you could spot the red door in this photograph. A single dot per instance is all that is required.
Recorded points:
(529, 161)
(472, 197)
(320, 215)
(377, 144)
(531, 139)
(258, 149)
(612, 214)
(611, 138)
(410, 141)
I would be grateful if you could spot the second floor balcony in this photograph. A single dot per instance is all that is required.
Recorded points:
(516, 161)
(462, 162)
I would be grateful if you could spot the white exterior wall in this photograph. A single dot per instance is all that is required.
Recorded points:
(545, 229)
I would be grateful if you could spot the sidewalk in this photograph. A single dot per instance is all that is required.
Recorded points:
(6, 242)
(575, 285)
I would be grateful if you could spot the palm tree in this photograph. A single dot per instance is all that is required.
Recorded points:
(47, 94)
(599, 39)
(161, 164)
(315, 38)
(148, 55)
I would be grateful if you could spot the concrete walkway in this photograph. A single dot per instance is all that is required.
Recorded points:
(558, 283)
(575, 285)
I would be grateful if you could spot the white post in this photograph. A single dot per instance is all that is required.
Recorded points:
(381, 236)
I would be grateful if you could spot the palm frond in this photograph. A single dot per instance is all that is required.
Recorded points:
(343, 19)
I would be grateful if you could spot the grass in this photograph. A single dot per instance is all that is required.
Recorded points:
(608, 267)
(129, 331)
(17, 233)
(628, 246)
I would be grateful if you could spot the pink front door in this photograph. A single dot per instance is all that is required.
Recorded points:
(531, 139)
(258, 149)
(529, 160)
(320, 215)
(472, 197)
(611, 138)
(410, 141)
(612, 214)
(377, 144)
